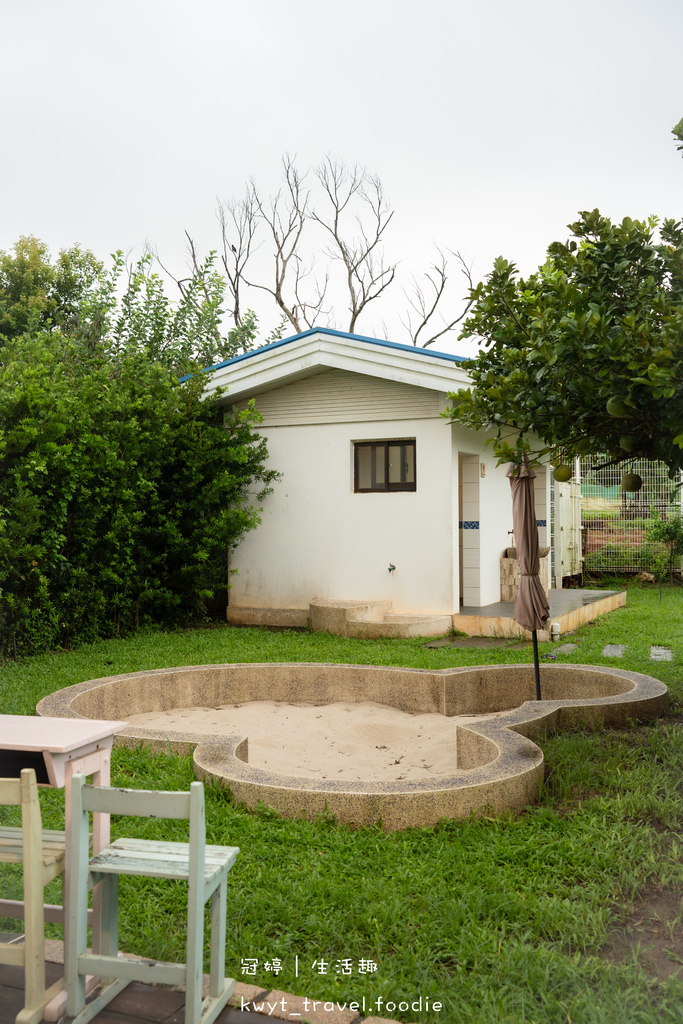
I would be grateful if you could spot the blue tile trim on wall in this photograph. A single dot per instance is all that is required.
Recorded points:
(540, 522)
(469, 524)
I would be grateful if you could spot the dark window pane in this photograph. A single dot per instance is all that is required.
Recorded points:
(378, 468)
(363, 467)
(370, 467)
(401, 464)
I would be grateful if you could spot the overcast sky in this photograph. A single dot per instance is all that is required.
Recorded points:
(490, 122)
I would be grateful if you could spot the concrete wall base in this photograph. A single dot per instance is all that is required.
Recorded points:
(368, 620)
(284, 617)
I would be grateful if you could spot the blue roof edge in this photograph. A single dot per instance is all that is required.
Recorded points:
(335, 334)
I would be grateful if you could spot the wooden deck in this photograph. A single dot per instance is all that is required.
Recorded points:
(150, 1004)
(137, 1004)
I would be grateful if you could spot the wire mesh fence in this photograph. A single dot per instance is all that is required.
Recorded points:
(615, 522)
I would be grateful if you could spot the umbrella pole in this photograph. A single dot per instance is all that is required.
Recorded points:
(537, 671)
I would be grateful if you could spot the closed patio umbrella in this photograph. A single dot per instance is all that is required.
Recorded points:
(531, 607)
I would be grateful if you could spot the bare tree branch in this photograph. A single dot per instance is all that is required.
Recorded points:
(353, 215)
(425, 306)
(309, 310)
(286, 216)
(197, 269)
(238, 221)
(366, 274)
(180, 281)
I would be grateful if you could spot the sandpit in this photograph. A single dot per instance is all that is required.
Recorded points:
(364, 743)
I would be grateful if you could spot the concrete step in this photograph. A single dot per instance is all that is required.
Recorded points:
(403, 626)
(334, 616)
(373, 619)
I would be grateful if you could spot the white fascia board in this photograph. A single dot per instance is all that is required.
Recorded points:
(313, 354)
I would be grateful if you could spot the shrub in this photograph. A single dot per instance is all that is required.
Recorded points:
(668, 532)
(121, 491)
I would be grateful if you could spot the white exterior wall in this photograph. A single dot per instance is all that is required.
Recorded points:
(318, 539)
(320, 392)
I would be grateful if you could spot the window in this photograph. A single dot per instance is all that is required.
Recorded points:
(384, 466)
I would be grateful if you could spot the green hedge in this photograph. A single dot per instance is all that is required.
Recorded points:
(121, 492)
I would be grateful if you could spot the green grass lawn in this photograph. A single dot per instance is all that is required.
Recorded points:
(498, 919)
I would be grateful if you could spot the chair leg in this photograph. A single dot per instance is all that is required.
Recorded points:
(34, 940)
(78, 985)
(109, 907)
(218, 922)
(32, 1014)
(195, 957)
(77, 934)
(221, 988)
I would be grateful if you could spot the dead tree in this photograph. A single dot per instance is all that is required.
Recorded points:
(352, 213)
(361, 254)
(237, 219)
(285, 216)
(425, 307)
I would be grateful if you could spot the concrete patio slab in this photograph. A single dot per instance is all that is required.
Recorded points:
(569, 608)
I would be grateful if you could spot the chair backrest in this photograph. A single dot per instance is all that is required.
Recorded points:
(23, 790)
(10, 792)
(140, 803)
(143, 803)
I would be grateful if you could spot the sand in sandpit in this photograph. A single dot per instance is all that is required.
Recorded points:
(365, 742)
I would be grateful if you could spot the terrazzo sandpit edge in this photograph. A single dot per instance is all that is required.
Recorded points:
(500, 768)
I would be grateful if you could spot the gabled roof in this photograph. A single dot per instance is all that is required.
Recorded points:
(312, 352)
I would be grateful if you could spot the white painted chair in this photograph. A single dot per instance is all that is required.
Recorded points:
(42, 855)
(205, 868)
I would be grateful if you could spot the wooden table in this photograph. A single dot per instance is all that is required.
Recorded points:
(56, 748)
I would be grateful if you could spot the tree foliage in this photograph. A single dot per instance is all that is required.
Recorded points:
(71, 294)
(121, 492)
(599, 324)
(122, 488)
(120, 308)
(677, 132)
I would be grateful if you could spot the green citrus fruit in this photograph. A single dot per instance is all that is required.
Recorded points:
(563, 473)
(582, 446)
(629, 442)
(631, 482)
(617, 407)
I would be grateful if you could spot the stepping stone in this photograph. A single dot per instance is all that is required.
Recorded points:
(661, 654)
(566, 648)
(613, 650)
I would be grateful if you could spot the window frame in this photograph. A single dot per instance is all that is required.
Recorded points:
(389, 487)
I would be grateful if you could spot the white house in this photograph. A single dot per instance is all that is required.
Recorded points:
(382, 500)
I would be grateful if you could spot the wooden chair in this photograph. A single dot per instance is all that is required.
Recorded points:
(205, 868)
(42, 855)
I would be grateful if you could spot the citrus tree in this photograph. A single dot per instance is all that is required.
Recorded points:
(586, 354)
(677, 132)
